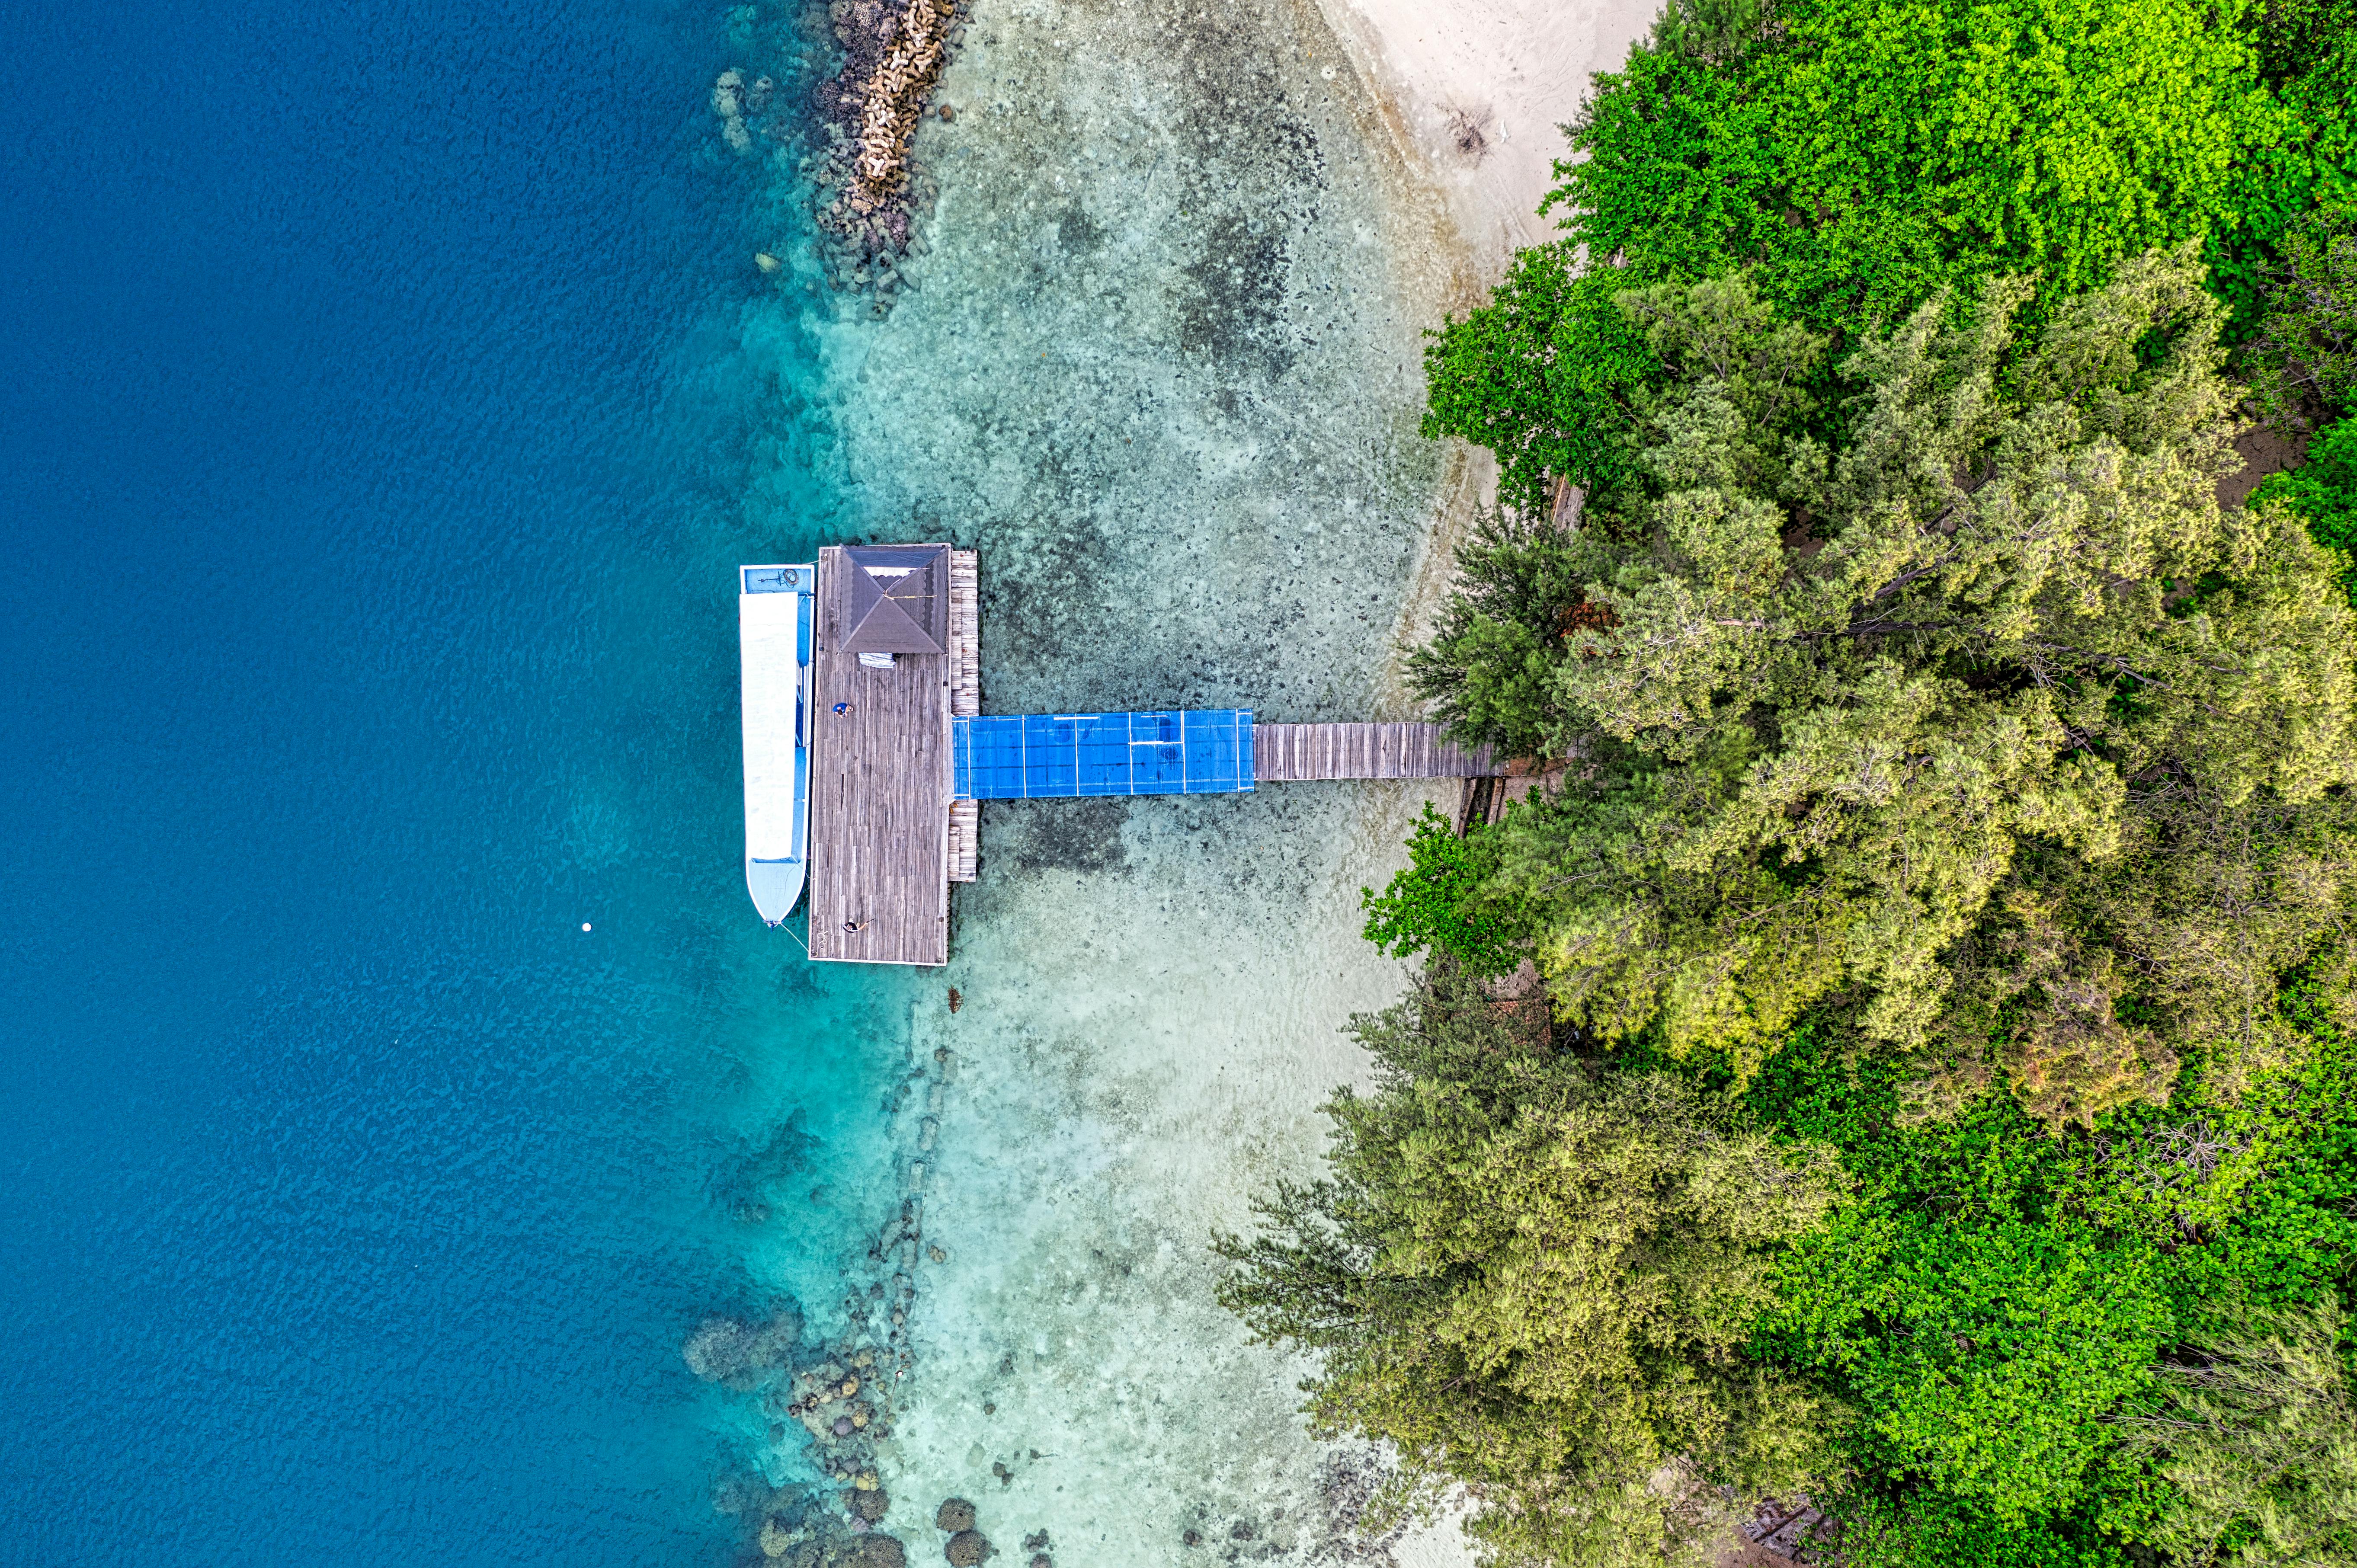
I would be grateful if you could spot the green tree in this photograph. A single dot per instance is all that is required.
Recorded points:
(2256, 1431)
(2000, 1305)
(1847, 683)
(1536, 1277)
(1489, 670)
(1593, 1288)
(1858, 156)
(1443, 902)
(2305, 351)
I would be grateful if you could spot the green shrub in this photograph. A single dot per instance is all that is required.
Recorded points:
(1445, 902)
(1855, 157)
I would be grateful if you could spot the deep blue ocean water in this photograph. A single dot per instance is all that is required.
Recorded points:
(371, 463)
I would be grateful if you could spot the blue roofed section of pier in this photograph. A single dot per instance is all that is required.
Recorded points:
(1030, 757)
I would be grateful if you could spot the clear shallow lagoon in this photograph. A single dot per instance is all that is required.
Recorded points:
(387, 395)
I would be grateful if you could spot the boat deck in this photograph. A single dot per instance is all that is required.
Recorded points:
(880, 792)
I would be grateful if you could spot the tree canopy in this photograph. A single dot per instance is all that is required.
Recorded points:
(1834, 704)
(1857, 156)
(1537, 1277)
(1944, 871)
(1619, 1298)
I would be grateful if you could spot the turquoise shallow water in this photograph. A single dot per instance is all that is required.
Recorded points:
(388, 396)
(370, 472)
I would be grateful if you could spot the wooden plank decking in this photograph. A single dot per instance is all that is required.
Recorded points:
(965, 634)
(966, 699)
(1288, 752)
(879, 797)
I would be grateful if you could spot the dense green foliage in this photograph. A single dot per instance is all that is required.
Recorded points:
(1539, 1277)
(1929, 715)
(1442, 902)
(1949, 897)
(1600, 1288)
(1947, 879)
(1996, 1302)
(1857, 156)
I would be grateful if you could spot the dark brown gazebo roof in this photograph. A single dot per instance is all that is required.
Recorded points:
(899, 600)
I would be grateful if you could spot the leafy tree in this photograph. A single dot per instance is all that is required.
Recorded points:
(2256, 1431)
(2308, 56)
(1995, 1303)
(1858, 156)
(2091, 977)
(1827, 693)
(1591, 1289)
(1443, 902)
(1535, 1277)
(2305, 351)
(1489, 671)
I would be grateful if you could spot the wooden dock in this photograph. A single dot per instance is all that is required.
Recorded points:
(879, 822)
(966, 699)
(1283, 753)
(886, 838)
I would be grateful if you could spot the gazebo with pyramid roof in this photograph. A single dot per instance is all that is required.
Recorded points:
(899, 600)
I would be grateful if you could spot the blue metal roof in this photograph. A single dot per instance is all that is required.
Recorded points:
(1189, 752)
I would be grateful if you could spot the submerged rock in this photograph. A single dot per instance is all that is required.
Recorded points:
(729, 1350)
(879, 1551)
(870, 1503)
(954, 1515)
(968, 1549)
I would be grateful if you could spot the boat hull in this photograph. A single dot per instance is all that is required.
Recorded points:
(774, 625)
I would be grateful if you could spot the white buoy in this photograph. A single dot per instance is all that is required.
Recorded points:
(585, 925)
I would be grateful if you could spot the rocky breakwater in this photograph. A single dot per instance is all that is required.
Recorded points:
(870, 195)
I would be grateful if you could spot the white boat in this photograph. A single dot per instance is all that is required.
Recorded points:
(773, 630)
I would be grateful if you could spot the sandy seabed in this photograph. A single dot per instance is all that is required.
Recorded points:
(1158, 358)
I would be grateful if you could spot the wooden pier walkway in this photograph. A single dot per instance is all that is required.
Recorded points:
(966, 699)
(879, 823)
(886, 835)
(1283, 753)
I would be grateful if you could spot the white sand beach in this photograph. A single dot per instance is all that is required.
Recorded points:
(1477, 90)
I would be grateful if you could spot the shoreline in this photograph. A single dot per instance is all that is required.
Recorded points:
(1176, 269)
(1475, 95)
(1473, 101)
